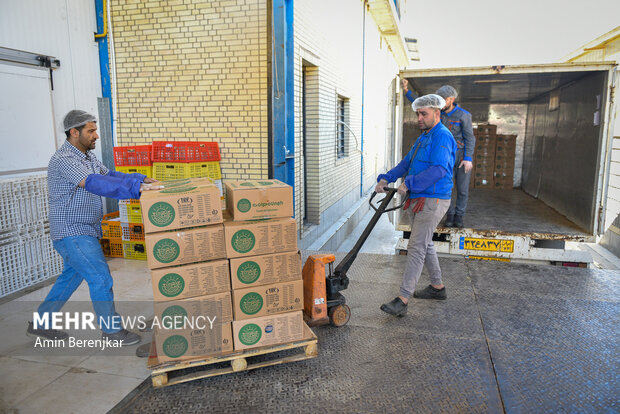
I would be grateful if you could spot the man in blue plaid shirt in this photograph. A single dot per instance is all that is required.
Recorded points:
(77, 180)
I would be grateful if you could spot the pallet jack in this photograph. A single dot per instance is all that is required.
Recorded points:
(323, 302)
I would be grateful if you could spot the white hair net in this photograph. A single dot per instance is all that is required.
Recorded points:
(447, 91)
(77, 118)
(428, 101)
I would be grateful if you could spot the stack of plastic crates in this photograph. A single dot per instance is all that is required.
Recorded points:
(27, 255)
(134, 159)
(111, 242)
(173, 160)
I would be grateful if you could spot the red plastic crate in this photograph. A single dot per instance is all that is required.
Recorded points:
(133, 155)
(185, 151)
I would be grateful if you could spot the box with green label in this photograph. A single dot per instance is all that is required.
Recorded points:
(268, 299)
(215, 308)
(173, 248)
(254, 238)
(259, 199)
(182, 345)
(268, 330)
(181, 204)
(253, 271)
(186, 281)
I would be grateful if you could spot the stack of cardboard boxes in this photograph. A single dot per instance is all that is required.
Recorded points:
(265, 265)
(494, 158)
(189, 271)
(484, 156)
(505, 161)
(194, 253)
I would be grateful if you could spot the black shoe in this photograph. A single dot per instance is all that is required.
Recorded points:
(458, 221)
(143, 351)
(127, 338)
(396, 307)
(45, 333)
(430, 292)
(449, 221)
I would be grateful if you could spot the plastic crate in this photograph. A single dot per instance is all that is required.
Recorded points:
(209, 169)
(132, 231)
(112, 247)
(163, 171)
(140, 169)
(133, 155)
(134, 250)
(130, 211)
(185, 151)
(111, 226)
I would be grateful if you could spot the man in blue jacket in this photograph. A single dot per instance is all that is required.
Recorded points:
(77, 180)
(458, 122)
(427, 171)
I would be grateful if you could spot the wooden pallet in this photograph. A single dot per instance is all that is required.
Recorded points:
(308, 348)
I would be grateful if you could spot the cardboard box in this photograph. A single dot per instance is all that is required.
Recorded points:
(268, 299)
(506, 141)
(263, 270)
(259, 199)
(254, 238)
(181, 204)
(505, 168)
(268, 330)
(173, 248)
(486, 129)
(181, 345)
(200, 279)
(217, 308)
(483, 182)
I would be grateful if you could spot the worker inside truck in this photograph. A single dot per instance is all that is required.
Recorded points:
(77, 181)
(427, 170)
(458, 121)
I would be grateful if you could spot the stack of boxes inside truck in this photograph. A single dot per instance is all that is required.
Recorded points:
(494, 158)
(484, 156)
(194, 254)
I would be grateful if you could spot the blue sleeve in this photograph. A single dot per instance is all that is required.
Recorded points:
(122, 175)
(401, 169)
(468, 137)
(423, 180)
(442, 151)
(113, 187)
(410, 95)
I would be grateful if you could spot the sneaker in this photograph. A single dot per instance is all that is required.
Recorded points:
(127, 338)
(396, 307)
(45, 333)
(430, 292)
(458, 221)
(449, 221)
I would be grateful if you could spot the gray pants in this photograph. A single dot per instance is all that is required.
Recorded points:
(421, 250)
(458, 205)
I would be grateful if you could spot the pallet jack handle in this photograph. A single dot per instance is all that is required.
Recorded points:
(345, 264)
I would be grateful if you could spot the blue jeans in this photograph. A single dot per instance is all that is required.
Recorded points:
(83, 260)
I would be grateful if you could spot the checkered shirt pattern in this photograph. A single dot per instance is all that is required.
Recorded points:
(73, 210)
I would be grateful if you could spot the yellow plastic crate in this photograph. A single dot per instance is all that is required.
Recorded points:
(164, 171)
(146, 170)
(112, 247)
(130, 211)
(132, 231)
(134, 250)
(209, 169)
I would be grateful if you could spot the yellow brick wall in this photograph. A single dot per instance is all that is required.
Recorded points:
(194, 70)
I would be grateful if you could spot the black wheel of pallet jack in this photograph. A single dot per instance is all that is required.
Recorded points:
(339, 315)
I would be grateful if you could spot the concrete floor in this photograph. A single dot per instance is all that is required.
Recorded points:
(96, 381)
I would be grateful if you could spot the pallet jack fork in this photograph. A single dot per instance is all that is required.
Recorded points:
(323, 302)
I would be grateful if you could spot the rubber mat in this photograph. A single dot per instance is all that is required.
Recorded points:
(510, 338)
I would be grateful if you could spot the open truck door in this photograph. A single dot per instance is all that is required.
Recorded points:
(562, 115)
